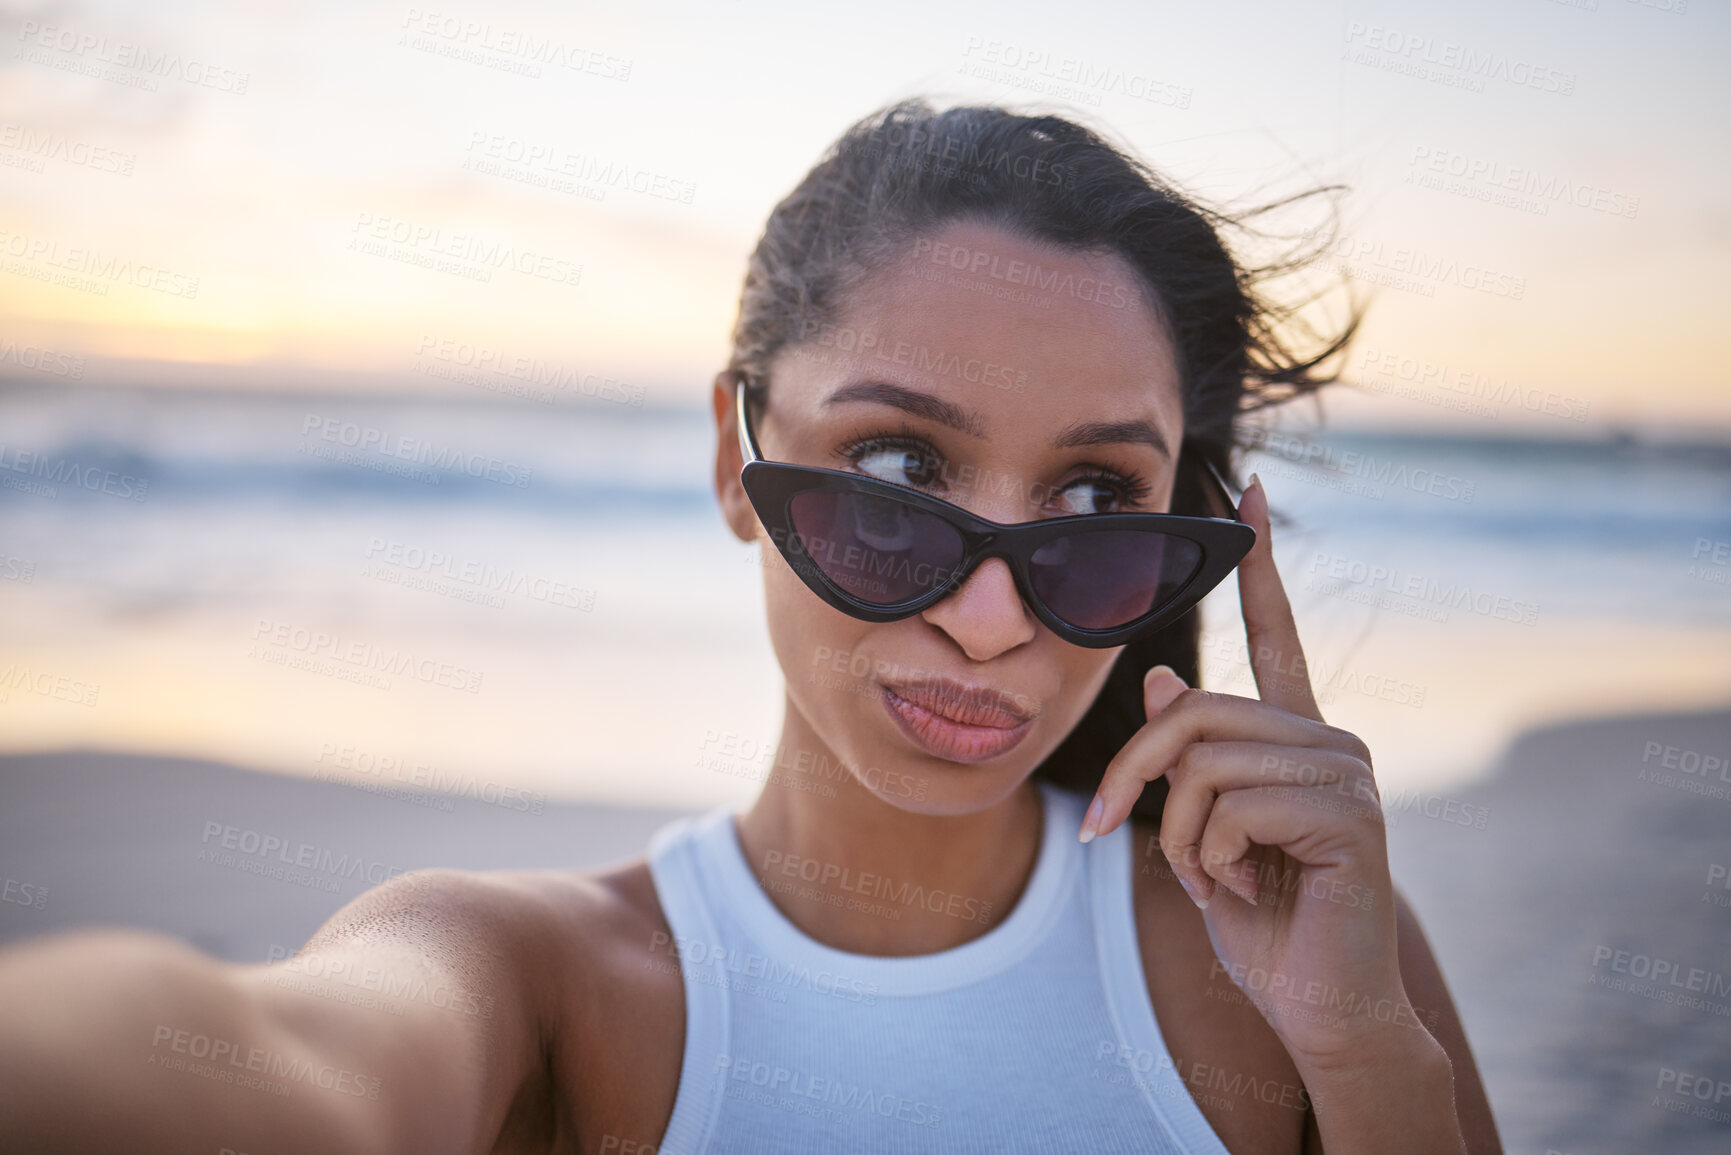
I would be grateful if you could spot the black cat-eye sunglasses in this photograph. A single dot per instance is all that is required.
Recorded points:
(881, 552)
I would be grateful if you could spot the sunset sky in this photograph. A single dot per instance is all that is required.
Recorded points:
(257, 189)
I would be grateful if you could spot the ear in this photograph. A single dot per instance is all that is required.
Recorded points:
(735, 506)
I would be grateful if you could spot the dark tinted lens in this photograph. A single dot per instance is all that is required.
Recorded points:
(878, 550)
(1101, 579)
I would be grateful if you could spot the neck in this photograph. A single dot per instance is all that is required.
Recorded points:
(861, 874)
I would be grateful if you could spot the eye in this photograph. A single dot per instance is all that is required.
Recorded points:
(1096, 493)
(901, 466)
(896, 460)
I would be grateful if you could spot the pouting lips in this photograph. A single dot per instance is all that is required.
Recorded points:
(968, 705)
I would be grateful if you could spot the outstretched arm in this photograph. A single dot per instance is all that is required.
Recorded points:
(407, 1023)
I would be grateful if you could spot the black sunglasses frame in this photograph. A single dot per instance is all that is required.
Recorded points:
(772, 485)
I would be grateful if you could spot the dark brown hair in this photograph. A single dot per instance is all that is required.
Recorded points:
(907, 170)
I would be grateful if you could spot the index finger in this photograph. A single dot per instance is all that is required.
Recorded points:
(1276, 657)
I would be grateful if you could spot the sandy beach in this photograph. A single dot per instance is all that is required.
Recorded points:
(182, 847)
(1576, 896)
(1586, 930)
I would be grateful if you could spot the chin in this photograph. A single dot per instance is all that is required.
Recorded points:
(921, 784)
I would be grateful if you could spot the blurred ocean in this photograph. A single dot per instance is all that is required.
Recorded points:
(544, 595)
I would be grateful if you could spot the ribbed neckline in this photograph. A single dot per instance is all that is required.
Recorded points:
(1054, 873)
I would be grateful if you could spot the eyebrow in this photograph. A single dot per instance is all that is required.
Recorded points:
(910, 401)
(955, 417)
(1113, 433)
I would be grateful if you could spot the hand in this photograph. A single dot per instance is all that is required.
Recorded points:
(1274, 826)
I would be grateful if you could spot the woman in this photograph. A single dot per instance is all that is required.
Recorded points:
(970, 320)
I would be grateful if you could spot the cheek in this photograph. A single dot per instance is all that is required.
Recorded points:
(808, 636)
(1084, 675)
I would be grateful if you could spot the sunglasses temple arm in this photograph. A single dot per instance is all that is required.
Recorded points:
(748, 450)
(1223, 492)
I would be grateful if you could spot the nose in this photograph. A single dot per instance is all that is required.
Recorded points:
(986, 615)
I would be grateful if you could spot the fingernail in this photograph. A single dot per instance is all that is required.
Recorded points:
(1201, 903)
(1255, 482)
(1245, 885)
(1091, 822)
(1156, 674)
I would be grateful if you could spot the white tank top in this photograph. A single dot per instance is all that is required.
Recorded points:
(1037, 1036)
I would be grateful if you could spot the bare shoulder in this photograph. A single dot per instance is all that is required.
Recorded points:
(620, 955)
(543, 931)
(1221, 1047)
(620, 1058)
(506, 918)
(1425, 987)
(578, 978)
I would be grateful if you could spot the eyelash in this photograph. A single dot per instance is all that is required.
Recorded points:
(1131, 488)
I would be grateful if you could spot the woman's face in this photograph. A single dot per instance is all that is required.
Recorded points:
(1018, 380)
